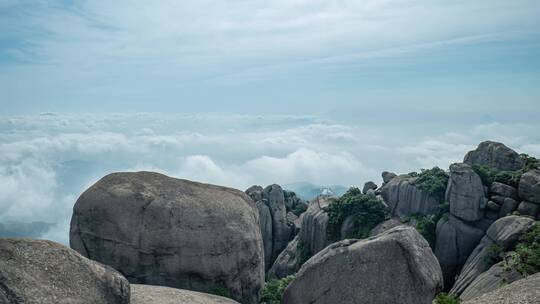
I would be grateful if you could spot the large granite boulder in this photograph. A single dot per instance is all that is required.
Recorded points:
(404, 198)
(504, 190)
(160, 230)
(396, 266)
(281, 231)
(494, 155)
(384, 226)
(35, 271)
(465, 193)
(503, 233)
(529, 186)
(312, 233)
(387, 176)
(524, 291)
(287, 262)
(265, 220)
(369, 186)
(150, 294)
(493, 278)
(455, 240)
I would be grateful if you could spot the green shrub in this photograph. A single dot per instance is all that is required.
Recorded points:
(273, 290)
(493, 255)
(303, 254)
(444, 298)
(426, 226)
(528, 251)
(366, 210)
(511, 178)
(220, 290)
(298, 209)
(433, 181)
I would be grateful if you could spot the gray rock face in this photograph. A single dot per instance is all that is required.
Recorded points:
(387, 176)
(455, 240)
(149, 294)
(529, 186)
(35, 271)
(350, 272)
(528, 208)
(404, 198)
(501, 189)
(509, 205)
(265, 220)
(287, 261)
(369, 186)
(524, 291)
(384, 226)
(465, 193)
(504, 233)
(489, 281)
(314, 222)
(165, 231)
(281, 231)
(494, 155)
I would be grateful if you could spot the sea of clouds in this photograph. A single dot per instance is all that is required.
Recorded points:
(48, 160)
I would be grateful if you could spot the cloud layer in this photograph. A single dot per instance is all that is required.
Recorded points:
(48, 160)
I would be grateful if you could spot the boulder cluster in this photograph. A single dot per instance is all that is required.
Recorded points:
(148, 238)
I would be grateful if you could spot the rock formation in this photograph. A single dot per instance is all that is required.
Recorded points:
(403, 198)
(352, 271)
(150, 294)
(524, 291)
(165, 231)
(494, 155)
(35, 271)
(465, 193)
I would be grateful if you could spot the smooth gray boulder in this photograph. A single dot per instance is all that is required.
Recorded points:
(465, 193)
(387, 176)
(494, 155)
(524, 291)
(404, 198)
(386, 225)
(150, 294)
(493, 278)
(265, 221)
(36, 271)
(314, 222)
(396, 266)
(528, 208)
(529, 186)
(287, 262)
(455, 240)
(159, 230)
(509, 205)
(281, 231)
(501, 189)
(503, 233)
(369, 186)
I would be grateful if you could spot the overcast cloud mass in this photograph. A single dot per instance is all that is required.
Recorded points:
(253, 92)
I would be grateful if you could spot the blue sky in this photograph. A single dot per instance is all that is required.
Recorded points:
(238, 93)
(274, 56)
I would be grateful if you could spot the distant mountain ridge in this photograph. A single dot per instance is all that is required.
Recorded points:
(309, 191)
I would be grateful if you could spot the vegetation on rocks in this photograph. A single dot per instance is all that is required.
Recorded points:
(273, 290)
(493, 255)
(444, 298)
(432, 181)
(511, 178)
(366, 211)
(425, 225)
(220, 290)
(528, 251)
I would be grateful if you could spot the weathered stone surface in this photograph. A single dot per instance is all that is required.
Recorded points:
(294, 222)
(404, 198)
(165, 231)
(287, 262)
(494, 155)
(350, 272)
(281, 231)
(387, 176)
(509, 205)
(465, 193)
(35, 271)
(369, 186)
(314, 222)
(529, 186)
(528, 208)
(498, 199)
(524, 291)
(490, 280)
(503, 190)
(386, 225)
(265, 223)
(150, 294)
(255, 192)
(491, 205)
(503, 233)
(455, 240)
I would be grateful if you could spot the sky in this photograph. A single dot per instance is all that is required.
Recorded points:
(253, 92)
